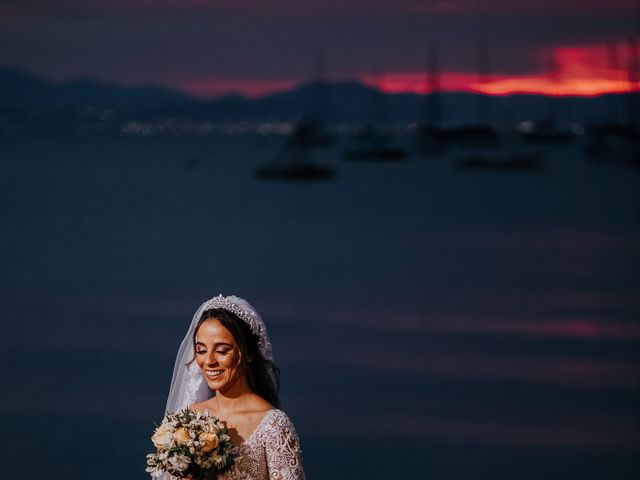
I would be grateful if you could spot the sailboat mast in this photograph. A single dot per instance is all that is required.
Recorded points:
(552, 103)
(614, 68)
(484, 69)
(320, 97)
(633, 82)
(433, 100)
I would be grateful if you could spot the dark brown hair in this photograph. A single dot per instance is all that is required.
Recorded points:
(263, 376)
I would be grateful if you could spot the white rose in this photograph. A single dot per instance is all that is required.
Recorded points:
(163, 437)
(180, 462)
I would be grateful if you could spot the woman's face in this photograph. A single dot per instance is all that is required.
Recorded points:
(218, 356)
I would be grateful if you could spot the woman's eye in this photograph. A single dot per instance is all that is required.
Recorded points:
(199, 352)
(223, 352)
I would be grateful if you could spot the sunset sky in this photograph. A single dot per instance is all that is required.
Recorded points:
(253, 47)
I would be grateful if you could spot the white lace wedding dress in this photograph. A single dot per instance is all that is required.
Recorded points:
(271, 452)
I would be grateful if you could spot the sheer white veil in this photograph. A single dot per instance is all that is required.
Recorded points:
(187, 384)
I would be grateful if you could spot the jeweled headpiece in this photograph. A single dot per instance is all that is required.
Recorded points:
(246, 313)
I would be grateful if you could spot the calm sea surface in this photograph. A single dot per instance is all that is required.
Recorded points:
(428, 322)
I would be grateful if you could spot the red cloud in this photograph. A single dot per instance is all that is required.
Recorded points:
(581, 70)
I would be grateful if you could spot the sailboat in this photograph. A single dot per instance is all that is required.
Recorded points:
(491, 148)
(431, 137)
(373, 142)
(549, 130)
(293, 162)
(616, 141)
(315, 122)
(482, 133)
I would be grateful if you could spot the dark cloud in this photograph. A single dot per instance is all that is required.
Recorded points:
(300, 7)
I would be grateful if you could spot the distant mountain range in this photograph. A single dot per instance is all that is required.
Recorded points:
(30, 101)
(22, 90)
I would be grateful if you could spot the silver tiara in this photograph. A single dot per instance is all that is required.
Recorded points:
(246, 313)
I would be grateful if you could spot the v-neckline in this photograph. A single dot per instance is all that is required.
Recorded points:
(256, 429)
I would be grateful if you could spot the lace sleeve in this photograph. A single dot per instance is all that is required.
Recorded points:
(282, 448)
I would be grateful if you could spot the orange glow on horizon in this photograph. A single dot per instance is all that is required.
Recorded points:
(581, 71)
(541, 85)
(415, 83)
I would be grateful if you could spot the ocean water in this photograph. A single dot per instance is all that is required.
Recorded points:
(428, 322)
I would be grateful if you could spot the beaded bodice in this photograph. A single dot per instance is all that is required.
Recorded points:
(271, 452)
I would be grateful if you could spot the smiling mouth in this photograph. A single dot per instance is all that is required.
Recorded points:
(213, 373)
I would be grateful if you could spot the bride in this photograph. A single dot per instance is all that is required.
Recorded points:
(225, 366)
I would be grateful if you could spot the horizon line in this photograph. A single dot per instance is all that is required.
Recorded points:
(400, 84)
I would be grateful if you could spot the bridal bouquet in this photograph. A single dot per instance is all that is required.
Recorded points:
(190, 444)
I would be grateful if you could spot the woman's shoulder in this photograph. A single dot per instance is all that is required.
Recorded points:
(278, 421)
(278, 415)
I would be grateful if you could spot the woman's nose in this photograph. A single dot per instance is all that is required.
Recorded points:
(211, 359)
